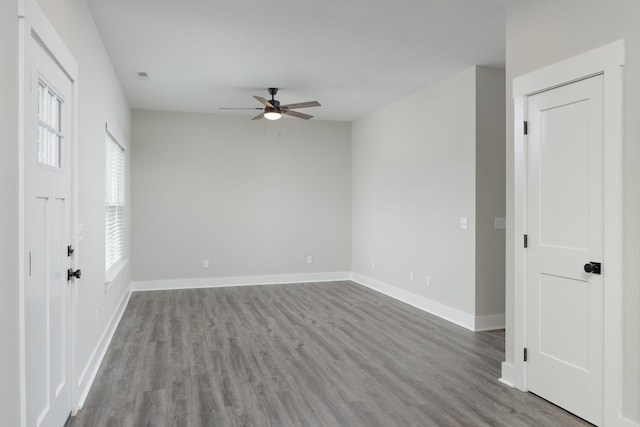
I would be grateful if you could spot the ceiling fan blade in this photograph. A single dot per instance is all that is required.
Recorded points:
(298, 115)
(240, 108)
(263, 101)
(302, 105)
(258, 117)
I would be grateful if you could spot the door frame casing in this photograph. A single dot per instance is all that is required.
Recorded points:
(33, 24)
(607, 61)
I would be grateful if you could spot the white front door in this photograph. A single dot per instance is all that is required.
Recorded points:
(47, 181)
(565, 234)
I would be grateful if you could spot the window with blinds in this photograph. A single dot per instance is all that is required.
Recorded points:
(114, 202)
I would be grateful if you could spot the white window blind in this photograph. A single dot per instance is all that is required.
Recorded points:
(114, 201)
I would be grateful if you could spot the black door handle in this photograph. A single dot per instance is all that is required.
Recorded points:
(71, 274)
(593, 267)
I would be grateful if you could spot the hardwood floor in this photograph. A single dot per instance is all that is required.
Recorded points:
(327, 354)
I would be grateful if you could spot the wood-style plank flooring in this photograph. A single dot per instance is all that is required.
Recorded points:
(326, 354)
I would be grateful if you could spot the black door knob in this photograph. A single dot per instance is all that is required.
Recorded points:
(71, 274)
(593, 267)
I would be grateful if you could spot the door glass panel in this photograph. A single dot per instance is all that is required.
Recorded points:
(50, 136)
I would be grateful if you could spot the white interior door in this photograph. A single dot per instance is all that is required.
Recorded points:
(47, 182)
(565, 232)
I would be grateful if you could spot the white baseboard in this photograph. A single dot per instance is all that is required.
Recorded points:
(220, 282)
(459, 317)
(451, 314)
(625, 422)
(489, 322)
(90, 371)
(508, 374)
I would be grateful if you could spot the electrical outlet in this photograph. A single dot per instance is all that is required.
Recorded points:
(411, 275)
(428, 282)
(373, 263)
(309, 259)
(205, 263)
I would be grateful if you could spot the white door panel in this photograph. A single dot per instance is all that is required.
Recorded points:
(564, 170)
(565, 228)
(562, 336)
(47, 169)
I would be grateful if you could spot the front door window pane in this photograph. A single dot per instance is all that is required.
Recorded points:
(50, 136)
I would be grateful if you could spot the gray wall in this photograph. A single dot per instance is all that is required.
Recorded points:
(490, 190)
(9, 303)
(547, 31)
(100, 100)
(414, 176)
(252, 197)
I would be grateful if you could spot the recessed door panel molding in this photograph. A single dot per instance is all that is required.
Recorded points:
(564, 170)
(564, 334)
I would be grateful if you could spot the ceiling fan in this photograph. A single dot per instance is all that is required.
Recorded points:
(273, 110)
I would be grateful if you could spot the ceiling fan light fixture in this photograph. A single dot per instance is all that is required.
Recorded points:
(272, 115)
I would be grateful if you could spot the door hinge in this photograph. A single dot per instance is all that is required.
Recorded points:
(526, 127)
(73, 274)
(525, 354)
(526, 241)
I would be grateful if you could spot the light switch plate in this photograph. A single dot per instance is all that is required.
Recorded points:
(464, 223)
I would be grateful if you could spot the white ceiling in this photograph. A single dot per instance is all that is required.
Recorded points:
(353, 56)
